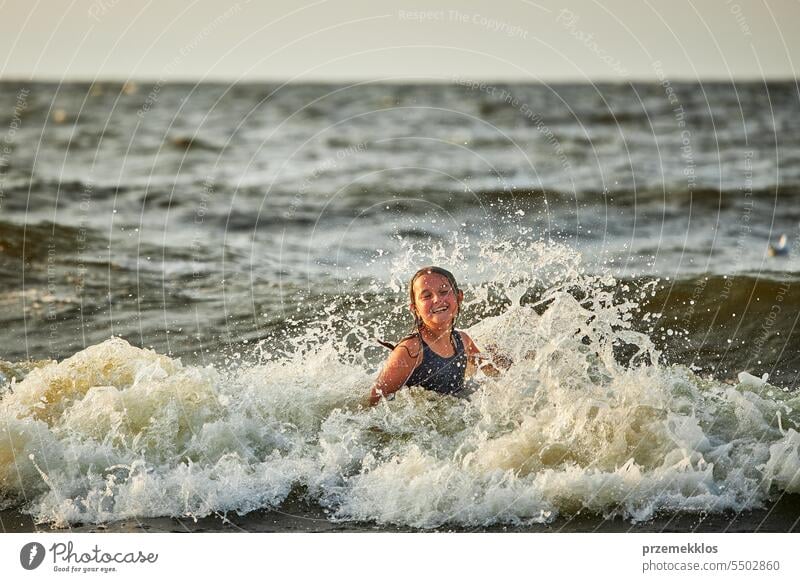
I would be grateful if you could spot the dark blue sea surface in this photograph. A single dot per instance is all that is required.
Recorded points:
(192, 278)
(189, 217)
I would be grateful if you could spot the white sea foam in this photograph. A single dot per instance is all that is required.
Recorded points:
(120, 432)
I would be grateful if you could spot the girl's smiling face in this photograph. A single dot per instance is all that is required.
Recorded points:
(435, 300)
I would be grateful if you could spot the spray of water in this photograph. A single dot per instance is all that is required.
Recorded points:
(588, 417)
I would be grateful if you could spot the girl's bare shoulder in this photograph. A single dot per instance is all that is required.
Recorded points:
(410, 345)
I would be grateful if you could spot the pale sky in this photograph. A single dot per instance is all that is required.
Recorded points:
(340, 40)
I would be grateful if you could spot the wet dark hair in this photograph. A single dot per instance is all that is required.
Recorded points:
(429, 270)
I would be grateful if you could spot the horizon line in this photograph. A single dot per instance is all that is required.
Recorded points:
(411, 80)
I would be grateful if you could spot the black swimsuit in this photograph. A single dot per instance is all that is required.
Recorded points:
(443, 375)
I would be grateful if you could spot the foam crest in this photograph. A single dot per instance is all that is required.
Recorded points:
(574, 424)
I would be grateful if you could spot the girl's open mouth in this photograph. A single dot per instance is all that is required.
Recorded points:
(440, 309)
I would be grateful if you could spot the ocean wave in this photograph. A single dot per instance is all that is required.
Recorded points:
(117, 432)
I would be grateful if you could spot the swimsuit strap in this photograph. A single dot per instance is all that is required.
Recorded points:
(455, 338)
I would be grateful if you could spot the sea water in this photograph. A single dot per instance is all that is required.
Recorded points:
(117, 431)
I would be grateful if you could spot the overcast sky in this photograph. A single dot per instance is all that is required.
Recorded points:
(398, 40)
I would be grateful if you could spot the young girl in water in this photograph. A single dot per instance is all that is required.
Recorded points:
(436, 356)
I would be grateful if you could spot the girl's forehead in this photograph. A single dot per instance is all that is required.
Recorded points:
(430, 281)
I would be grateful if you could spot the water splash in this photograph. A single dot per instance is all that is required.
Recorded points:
(118, 432)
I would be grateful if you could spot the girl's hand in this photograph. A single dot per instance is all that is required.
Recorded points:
(477, 360)
(499, 362)
(498, 358)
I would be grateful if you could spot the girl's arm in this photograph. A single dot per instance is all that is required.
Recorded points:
(397, 369)
(477, 360)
